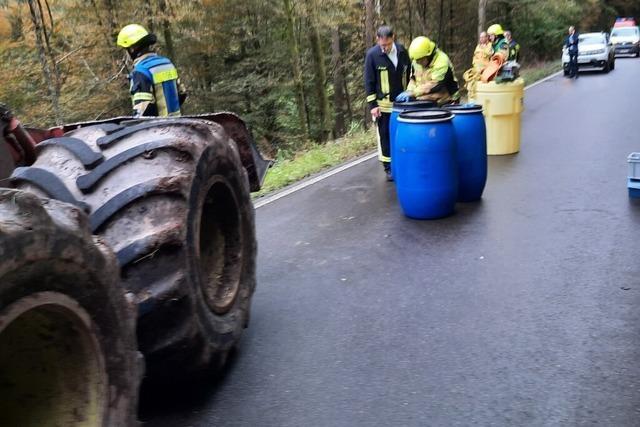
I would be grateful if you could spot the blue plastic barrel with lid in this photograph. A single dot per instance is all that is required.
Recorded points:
(401, 107)
(471, 139)
(426, 164)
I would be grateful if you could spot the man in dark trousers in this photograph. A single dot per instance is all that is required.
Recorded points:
(387, 70)
(571, 43)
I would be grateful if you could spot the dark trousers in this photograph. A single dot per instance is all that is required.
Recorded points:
(573, 64)
(384, 142)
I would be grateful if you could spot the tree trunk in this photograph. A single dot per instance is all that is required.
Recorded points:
(320, 70)
(112, 21)
(369, 23)
(422, 9)
(369, 39)
(390, 13)
(166, 30)
(338, 84)
(36, 19)
(347, 99)
(441, 24)
(482, 15)
(57, 80)
(147, 8)
(294, 52)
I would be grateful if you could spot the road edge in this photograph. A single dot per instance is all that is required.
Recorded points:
(293, 188)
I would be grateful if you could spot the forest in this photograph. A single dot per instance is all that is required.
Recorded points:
(291, 68)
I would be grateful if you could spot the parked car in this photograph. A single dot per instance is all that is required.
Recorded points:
(626, 40)
(595, 52)
(625, 22)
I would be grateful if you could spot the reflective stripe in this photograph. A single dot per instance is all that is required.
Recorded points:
(142, 96)
(161, 101)
(385, 105)
(404, 78)
(380, 156)
(371, 98)
(163, 73)
(384, 82)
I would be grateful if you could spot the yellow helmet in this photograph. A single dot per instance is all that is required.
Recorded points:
(421, 47)
(131, 34)
(496, 30)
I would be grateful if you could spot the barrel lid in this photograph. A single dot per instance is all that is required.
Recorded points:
(515, 86)
(413, 105)
(425, 116)
(464, 108)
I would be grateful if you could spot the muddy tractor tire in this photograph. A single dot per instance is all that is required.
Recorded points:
(68, 353)
(171, 197)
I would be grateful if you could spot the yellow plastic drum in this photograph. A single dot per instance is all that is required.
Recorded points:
(502, 105)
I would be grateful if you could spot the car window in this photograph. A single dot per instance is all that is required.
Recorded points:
(591, 39)
(624, 32)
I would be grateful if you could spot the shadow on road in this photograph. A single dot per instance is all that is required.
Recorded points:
(160, 399)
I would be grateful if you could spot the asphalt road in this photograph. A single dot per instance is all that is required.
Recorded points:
(520, 310)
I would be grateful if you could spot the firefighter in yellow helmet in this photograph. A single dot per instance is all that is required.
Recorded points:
(154, 84)
(499, 43)
(433, 77)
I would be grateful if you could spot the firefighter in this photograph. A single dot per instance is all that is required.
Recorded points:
(514, 47)
(154, 84)
(500, 45)
(387, 69)
(433, 77)
(481, 57)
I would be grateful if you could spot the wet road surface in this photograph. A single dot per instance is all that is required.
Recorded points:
(523, 309)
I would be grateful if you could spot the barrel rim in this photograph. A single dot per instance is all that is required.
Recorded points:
(464, 109)
(426, 116)
(401, 106)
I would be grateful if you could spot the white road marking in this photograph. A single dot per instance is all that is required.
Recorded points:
(262, 201)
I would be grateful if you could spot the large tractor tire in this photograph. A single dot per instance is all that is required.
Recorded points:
(171, 197)
(68, 353)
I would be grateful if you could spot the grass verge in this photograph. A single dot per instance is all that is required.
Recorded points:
(539, 71)
(310, 161)
(318, 158)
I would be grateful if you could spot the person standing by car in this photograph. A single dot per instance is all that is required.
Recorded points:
(571, 43)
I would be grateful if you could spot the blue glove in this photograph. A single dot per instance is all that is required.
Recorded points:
(404, 96)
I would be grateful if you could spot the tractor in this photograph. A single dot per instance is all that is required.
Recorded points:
(127, 250)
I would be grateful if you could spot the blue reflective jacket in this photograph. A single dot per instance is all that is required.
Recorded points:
(162, 79)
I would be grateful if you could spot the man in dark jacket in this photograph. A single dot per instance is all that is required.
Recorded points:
(387, 69)
(571, 43)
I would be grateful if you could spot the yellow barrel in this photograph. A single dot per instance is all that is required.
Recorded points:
(502, 104)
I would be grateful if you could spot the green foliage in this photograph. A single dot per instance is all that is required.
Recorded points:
(316, 158)
(234, 54)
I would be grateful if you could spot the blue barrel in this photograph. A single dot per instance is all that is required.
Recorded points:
(471, 139)
(426, 164)
(401, 107)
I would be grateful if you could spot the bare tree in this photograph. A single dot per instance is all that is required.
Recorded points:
(42, 40)
(166, 29)
(369, 38)
(482, 15)
(294, 51)
(320, 69)
(338, 84)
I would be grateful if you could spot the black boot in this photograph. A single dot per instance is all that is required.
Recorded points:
(387, 171)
